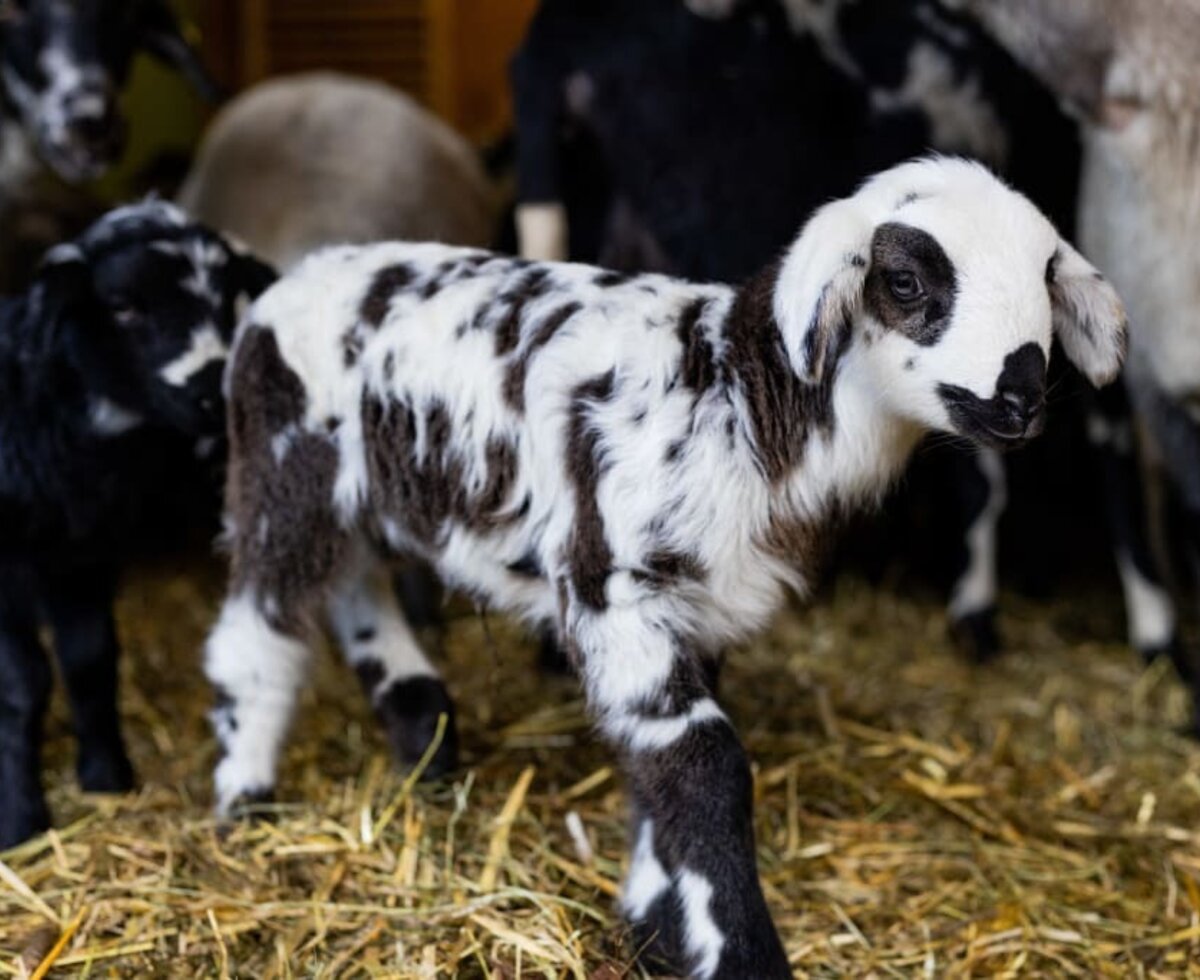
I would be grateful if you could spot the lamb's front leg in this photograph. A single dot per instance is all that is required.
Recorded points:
(25, 679)
(397, 677)
(693, 892)
(79, 603)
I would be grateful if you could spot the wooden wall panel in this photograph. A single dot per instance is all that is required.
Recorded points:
(450, 54)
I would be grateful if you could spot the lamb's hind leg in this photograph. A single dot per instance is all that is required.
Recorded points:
(289, 544)
(404, 688)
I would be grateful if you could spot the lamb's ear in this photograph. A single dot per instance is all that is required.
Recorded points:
(1089, 317)
(160, 33)
(61, 288)
(820, 288)
(251, 276)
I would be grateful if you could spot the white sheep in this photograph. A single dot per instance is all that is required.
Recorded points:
(1131, 70)
(649, 462)
(308, 160)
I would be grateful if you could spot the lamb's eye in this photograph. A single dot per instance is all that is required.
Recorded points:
(905, 286)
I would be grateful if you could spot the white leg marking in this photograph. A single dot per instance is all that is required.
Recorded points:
(643, 734)
(206, 347)
(369, 625)
(262, 672)
(542, 232)
(646, 880)
(976, 589)
(1148, 608)
(701, 935)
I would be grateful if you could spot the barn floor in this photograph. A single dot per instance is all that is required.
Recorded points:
(916, 817)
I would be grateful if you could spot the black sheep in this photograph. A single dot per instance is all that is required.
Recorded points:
(109, 393)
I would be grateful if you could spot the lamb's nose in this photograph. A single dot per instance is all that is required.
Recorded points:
(1025, 406)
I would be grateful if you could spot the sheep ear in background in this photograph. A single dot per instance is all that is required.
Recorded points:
(160, 33)
(821, 286)
(1089, 317)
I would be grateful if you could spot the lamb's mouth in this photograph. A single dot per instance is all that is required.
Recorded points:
(990, 421)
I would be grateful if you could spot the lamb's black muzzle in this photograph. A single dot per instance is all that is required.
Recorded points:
(1017, 411)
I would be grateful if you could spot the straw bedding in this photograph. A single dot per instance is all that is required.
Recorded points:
(916, 817)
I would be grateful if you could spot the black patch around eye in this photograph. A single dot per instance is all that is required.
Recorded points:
(901, 253)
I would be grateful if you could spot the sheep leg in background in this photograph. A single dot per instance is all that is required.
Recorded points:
(25, 680)
(980, 489)
(1149, 609)
(539, 91)
(1175, 434)
(692, 892)
(79, 606)
(542, 231)
(401, 683)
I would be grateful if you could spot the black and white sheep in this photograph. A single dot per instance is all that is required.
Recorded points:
(110, 371)
(317, 159)
(1130, 70)
(647, 462)
(693, 137)
(63, 64)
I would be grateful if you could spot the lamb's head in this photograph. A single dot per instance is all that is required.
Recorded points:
(947, 287)
(63, 64)
(146, 302)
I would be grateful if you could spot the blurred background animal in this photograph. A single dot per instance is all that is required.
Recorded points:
(1129, 70)
(63, 65)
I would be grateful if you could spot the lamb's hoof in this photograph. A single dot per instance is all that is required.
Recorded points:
(110, 772)
(976, 635)
(1178, 654)
(657, 943)
(249, 805)
(410, 710)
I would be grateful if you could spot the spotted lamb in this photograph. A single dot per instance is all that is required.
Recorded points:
(648, 462)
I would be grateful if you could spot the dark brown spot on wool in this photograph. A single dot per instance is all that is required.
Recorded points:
(530, 285)
(611, 277)
(514, 380)
(668, 566)
(589, 557)
(687, 683)
(388, 281)
(389, 365)
(901, 249)
(801, 544)
(783, 411)
(527, 566)
(696, 366)
(352, 347)
(674, 450)
(304, 543)
(423, 492)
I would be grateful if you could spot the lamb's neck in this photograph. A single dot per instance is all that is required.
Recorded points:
(852, 462)
(828, 445)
